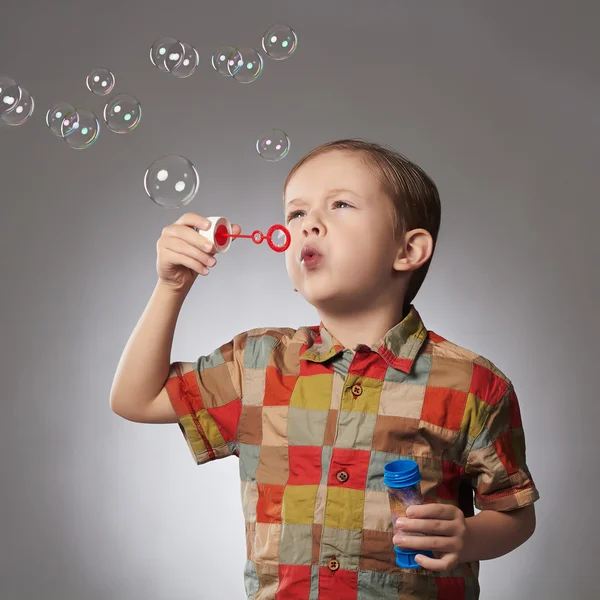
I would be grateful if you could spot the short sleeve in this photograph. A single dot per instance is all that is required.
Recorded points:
(207, 398)
(496, 460)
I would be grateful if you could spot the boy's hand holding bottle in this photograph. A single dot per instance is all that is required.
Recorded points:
(183, 253)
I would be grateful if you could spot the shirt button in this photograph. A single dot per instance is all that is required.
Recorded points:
(333, 564)
(342, 476)
(357, 390)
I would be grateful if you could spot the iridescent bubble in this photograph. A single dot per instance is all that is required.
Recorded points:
(21, 111)
(279, 41)
(158, 52)
(62, 119)
(84, 132)
(122, 113)
(171, 181)
(182, 59)
(274, 145)
(10, 94)
(245, 65)
(100, 81)
(221, 58)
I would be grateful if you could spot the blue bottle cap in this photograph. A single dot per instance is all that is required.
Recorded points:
(406, 558)
(401, 473)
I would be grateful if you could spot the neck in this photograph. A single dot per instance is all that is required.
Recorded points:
(367, 326)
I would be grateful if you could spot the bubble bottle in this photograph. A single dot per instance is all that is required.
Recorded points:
(402, 478)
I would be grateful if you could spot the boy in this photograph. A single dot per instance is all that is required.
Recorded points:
(313, 414)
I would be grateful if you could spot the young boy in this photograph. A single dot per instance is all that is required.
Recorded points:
(314, 413)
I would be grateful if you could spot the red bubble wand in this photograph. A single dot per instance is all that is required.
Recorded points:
(220, 234)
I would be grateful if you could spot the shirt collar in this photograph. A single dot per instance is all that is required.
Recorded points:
(398, 347)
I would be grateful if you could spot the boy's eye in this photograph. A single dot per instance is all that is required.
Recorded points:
(296, 212)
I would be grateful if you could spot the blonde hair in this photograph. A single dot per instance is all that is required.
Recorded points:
(414, 195)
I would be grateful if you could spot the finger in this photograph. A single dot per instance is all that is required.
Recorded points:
(419, 542)
(435, 564)
(236, 230)
(187, 261)
(193, 238)
(182, 248)
(431, 511)
(427, 526)
(194, 220)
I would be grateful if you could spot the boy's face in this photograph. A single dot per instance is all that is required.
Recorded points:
(335, 203)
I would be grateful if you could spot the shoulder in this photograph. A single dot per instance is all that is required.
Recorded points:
(280, 339)
(466, 369)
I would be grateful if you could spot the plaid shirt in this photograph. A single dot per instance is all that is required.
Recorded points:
(313, 424)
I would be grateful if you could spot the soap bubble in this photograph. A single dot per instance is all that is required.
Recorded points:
(10, 94)
(171, 181)
(100, 81)
(21, 111)
(62, 119)
(122, 113)
(278, 238)
(221, 58)
(84, 132)
(274, 145)
(158, 52)
(279, 41)
(182, 59)
(245, 65)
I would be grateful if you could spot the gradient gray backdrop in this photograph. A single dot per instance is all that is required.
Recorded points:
(500, 104)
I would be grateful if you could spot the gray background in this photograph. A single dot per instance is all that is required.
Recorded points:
(498, 101)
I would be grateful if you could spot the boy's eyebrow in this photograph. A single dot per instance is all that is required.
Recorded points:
(329, 193)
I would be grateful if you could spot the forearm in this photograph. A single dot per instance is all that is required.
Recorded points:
(144, 365)
(491, 534)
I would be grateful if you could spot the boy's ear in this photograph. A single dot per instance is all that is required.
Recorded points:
(417, 250)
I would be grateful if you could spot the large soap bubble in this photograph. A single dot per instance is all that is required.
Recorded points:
(171, 181)
(279, 42)
(122, 113)
(158, 52)
(182, 59)
(274, 145)
(84, 132)
(245, 65)
(62, 114)
(100, 81)
(21, 111)
(221, 58)
(10, 94)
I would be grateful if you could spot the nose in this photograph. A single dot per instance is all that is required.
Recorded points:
(312, 224)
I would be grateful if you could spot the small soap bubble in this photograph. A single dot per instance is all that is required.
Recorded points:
(171, 181)
(122, 113)
(62, 118)
(245, 65)
(100, 81)
(158, 52)
(221, 58)
(84, 132)
(274, 145)
(279, 42)
(10, 94)
(182, 59)
(21, 112)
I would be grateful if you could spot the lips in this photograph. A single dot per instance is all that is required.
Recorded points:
(309, 251)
